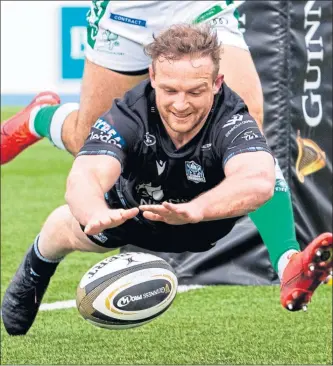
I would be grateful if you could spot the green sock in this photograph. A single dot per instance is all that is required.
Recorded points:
(43, 120)
(275, 223)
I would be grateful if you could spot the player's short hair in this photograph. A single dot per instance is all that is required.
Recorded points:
(186, 39)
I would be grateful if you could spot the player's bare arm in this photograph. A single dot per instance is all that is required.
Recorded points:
(247, 186)
(90, 178)
(249, 183)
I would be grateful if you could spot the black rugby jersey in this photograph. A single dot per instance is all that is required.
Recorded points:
(153, 170)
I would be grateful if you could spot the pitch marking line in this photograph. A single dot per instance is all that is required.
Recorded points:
(59, 305)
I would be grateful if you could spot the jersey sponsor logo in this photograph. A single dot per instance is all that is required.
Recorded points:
(234, 119)
(149, 139)
(208, 14)
(238, 125)
(107, 134)
(128, 20)
(281, 186)
(206, 147)
(101, 237)
(160, 166)
(107, 139)
(147, 191)
(194, 172)
(249, 135)
(102, 125)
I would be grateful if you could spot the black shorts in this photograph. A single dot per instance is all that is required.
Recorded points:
(146, 237)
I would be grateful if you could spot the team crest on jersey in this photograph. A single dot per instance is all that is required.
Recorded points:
(194, 172)
(149, 139)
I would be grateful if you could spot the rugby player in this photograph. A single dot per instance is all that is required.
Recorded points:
(171, 167)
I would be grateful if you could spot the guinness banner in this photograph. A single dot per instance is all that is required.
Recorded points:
(291, 44)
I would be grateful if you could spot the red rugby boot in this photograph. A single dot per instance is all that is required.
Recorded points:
(15, 133)
(305, 271)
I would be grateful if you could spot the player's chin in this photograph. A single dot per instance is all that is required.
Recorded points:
(183, 125)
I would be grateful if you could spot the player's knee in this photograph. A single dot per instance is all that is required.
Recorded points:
(56, 229)
(59, 219)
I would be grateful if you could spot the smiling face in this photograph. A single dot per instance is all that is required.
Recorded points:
(185, 92)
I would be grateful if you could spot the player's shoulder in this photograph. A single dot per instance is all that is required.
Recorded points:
(133, 107)
(228, 104)
(138, 97)
(232, 102)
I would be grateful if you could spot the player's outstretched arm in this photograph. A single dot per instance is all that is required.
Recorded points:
(249, 183)
(90, 178)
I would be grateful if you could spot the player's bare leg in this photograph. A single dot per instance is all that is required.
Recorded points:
(65, 125)
(240, 74)
(60, 235)
(100, 87)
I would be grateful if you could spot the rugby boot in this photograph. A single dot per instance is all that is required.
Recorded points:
(15, 133)
(22, 298)
(305, 271)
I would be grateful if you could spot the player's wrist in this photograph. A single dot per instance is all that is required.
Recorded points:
(85, 212)
(198, 208)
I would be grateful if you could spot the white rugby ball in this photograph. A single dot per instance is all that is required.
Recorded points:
(126, 290)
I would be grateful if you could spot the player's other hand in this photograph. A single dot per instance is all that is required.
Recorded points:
(108, 219)
(173, 214)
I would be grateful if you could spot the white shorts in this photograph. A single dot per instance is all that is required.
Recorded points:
(118, 30)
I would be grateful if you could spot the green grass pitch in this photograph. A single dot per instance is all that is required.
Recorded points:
(215, 325)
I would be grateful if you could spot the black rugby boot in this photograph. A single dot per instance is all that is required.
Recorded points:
(23, 296)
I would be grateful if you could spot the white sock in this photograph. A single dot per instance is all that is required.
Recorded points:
(33, 114)
(284, 260)
(57, 122)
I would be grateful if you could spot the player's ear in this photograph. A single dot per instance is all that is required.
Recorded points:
(152, 76)
(217, 83)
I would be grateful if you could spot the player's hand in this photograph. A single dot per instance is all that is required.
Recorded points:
(173, 214)
(108, 219)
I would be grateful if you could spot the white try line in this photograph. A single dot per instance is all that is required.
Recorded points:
(59, 305)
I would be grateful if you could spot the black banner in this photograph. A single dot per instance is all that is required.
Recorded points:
(291, 44)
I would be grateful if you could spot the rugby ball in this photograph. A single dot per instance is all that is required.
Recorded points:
(126, 290)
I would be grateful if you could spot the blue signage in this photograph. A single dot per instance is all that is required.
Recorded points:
(73, 39)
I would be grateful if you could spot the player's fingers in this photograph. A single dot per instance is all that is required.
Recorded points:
(129, 214)
(147, 207)
(93, 227)
(152, 216)
(178, 209)
(157, 209)
(171, 207)
(107, 220)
